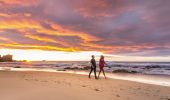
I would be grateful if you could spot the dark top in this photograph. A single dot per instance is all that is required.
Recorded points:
(93, 63)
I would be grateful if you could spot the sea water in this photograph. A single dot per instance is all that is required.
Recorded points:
(157, 73)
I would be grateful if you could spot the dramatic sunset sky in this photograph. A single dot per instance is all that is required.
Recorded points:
(122, 30)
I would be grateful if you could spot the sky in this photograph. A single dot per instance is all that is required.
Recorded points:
(122, 30)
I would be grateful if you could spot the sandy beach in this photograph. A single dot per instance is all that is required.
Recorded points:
(60, 86)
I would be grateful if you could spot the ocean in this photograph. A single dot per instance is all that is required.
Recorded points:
(151, 68)
(157, 73)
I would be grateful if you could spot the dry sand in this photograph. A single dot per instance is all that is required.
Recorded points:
(60, 86)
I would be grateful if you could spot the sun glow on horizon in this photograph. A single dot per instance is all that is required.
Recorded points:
(40, 55)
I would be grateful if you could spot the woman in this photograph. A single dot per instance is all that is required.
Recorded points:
(101, 66)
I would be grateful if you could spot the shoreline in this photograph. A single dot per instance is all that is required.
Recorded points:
(161, 80)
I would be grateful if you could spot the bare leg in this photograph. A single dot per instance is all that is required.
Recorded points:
(95, 73)
(90, 72)
(99, 73)
(104, 74)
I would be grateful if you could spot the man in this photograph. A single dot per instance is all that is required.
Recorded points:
(93, 67)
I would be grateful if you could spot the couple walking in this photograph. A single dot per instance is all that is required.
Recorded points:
(101, 66)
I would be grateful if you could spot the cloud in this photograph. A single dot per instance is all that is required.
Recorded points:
(19, 2)
(27, 28)
(102, 8)
(118, 27)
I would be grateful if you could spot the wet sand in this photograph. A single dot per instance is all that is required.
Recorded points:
(30, 85)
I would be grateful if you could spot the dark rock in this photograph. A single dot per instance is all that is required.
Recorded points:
(17, 67)
(135, 67)
(120, 71)
(67, 68)
(123, 71)
(155, 66)
(147, 67)
(134, 72)
(109, 66)
(74, 68)
(86, 68)
(61, 70)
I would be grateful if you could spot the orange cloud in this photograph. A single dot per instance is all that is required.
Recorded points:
(38, 47)
(90, 25)
(66, 32)
(4, 15)
(6, 39)
(19, 24)
(45, 39)
(26, 25)
(20, 2)
(96, 46)
(10, 15)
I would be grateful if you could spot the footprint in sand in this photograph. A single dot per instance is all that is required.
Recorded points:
(84, 86)
(58, 82)
(96, 89)
(139, 88)
(117, 95)
(26, 79)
